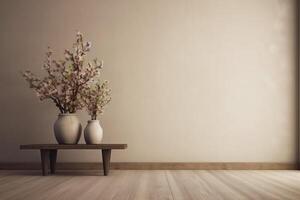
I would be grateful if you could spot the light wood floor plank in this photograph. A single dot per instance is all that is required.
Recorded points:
(151, 185)
(19, 189)
(80, 186)
(267, 186)
(283, 186)
(191, 186)
(177, 189)
(242, 186)
(218, 187)
(120, 187)
(292, 177)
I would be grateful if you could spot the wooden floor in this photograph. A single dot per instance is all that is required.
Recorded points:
(142, 185)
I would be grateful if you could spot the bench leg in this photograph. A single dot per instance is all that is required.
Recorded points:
(106, 153)
(45, 161)
(53, 156)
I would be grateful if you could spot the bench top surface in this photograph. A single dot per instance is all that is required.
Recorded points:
(73, 146)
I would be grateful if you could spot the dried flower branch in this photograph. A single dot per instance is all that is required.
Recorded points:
(65, 78)
(96, 97)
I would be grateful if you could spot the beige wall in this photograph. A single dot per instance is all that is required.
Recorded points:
(192, 80)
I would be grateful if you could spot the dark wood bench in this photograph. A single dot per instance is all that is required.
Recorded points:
(49, 153)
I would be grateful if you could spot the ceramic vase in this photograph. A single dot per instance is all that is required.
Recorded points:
(93, 132)
(67, 129)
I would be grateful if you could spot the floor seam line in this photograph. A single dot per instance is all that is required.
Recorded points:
(169, 185)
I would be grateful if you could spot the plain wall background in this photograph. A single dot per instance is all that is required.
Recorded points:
(192, 80)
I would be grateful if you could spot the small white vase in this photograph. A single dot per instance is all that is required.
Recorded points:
(67, 129)
(93, 132)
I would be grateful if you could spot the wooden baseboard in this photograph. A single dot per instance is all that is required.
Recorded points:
(158, 166)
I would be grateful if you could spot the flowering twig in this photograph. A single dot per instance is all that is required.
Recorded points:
(65, 78)
(96, 98)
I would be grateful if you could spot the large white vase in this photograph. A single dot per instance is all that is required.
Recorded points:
(93, 132)
(67, 129)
